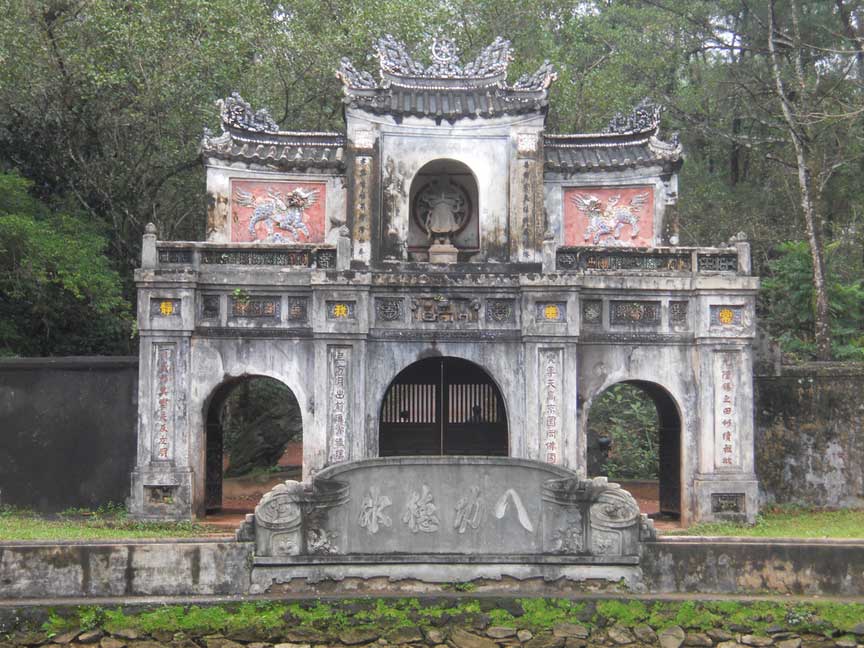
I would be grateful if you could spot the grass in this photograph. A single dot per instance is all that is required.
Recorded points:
(787, 522)
(270, 618)
(106, 523)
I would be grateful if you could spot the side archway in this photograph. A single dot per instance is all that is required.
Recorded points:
(634, 434)
(253, 440)
(443, 406)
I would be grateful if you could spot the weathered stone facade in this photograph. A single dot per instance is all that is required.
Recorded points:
(445, 223)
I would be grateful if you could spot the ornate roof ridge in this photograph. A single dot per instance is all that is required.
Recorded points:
(236, 114)
(590, 140)
(640, 126)
(397, 67)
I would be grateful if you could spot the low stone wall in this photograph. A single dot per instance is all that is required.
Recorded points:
(810, 435)
(67, 431)
(754, 566)
(194, 568)
(71, 570)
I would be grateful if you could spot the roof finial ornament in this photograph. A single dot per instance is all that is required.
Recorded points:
(444, 50)
(644, 116)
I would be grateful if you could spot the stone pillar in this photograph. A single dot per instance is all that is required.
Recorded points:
(725, 486)
(744, 260)
(149, 253)
(162, 482)
(550, 247)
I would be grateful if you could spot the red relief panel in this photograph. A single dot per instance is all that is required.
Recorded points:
(614, 217)
(278, 212)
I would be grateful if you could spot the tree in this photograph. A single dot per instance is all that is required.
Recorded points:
(788, 91)
(58, 292)
(102, 103)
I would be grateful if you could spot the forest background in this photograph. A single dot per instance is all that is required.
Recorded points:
(103, 105)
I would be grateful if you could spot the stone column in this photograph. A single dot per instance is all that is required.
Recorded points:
(162, 480)
(725, 486)
(162, 484)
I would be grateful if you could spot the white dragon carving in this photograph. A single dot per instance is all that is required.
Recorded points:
(611, 218)
(285, 211)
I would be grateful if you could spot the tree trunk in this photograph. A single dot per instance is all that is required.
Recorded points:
(812, 222)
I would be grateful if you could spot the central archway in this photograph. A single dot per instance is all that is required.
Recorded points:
(443, 406)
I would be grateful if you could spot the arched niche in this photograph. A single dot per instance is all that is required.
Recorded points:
(634, 434)
(438, 187)
(253, 439)
(443, 406)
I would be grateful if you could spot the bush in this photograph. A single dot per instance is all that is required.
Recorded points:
(627, 417)
(788, 302)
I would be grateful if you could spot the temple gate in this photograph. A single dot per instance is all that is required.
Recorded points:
(446, 278)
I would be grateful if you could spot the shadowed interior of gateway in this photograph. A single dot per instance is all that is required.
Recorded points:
(663, 496)
(443, 406)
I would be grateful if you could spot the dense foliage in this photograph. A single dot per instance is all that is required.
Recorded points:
(102, 105)
(623, 434)
(788, 297)
(58, 292)
(258, 418)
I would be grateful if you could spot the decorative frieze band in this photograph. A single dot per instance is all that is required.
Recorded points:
(576, 259)
(634, 313)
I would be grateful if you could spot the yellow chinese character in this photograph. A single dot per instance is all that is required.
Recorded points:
(166, 307)
(726, 316)
(340, 310)
(551, 312)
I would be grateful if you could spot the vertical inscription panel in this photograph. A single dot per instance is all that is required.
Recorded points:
(727, 446)
(164, 370)
(339, 397)
(550, 404)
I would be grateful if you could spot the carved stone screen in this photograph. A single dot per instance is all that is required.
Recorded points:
(617, 216)
(277, 212)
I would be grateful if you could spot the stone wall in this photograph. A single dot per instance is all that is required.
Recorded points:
(72, 570)
(810, 435)
(704, 566)
(67, 431)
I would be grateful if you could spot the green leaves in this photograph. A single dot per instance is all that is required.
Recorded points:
(788, 303)
(626, 416)
(58, 292)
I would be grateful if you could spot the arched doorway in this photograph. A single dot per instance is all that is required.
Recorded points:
(634, 438)
(254, 440)
(444, 210)
(443, 406)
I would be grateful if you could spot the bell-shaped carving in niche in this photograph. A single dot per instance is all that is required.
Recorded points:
(444, 224)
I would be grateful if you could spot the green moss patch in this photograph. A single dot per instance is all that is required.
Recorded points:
(268, 619)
